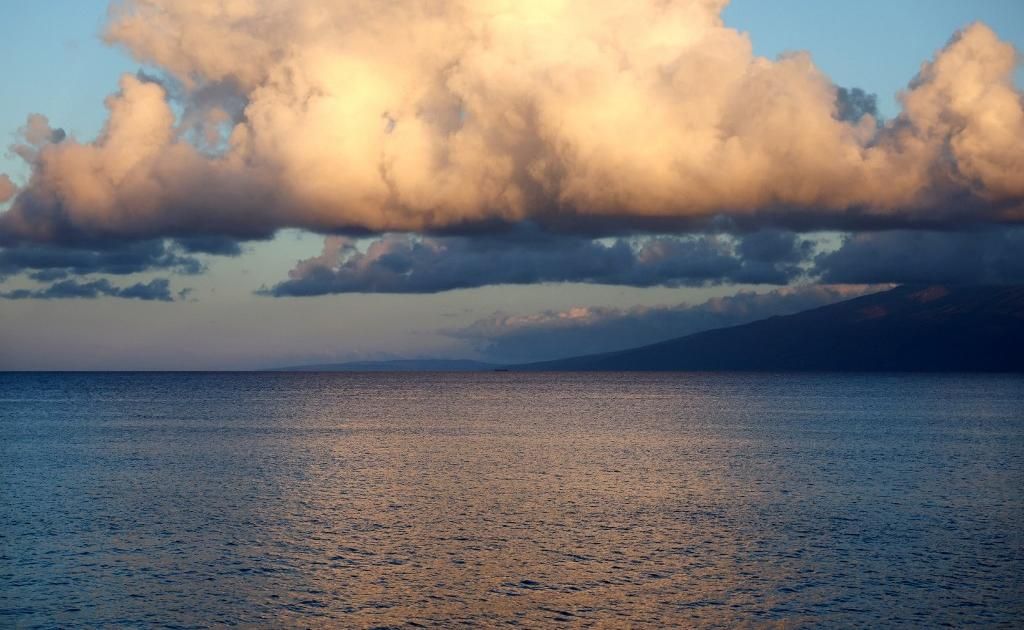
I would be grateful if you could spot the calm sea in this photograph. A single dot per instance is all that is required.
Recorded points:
(409, 500)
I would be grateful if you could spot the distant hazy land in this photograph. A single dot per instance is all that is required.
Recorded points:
(906, 329)
(398, 365)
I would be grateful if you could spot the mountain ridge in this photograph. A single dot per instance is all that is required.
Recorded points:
(908, 328)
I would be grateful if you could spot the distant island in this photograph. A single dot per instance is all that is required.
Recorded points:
(906, 329)
(396, 365)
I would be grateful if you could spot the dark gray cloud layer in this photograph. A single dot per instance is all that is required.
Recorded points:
(993, 256)
(157, 289)
(409, 264)
(52, 263)
(852, 104)
(215, 245)
(588, 330)
(117, 258)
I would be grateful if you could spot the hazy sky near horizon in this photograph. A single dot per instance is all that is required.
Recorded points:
(586, 206)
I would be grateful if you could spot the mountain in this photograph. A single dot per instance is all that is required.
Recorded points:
(933, 329)
(400, 365)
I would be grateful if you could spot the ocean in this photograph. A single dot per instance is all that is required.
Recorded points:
(504, 499)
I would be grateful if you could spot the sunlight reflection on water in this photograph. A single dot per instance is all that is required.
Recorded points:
(493, 499)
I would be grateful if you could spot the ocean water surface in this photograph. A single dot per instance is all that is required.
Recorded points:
(501, 499)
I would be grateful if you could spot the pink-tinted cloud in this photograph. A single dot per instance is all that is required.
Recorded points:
(7, 188)
(596, 114)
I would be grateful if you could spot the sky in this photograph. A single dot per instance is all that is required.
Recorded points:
(281, 183)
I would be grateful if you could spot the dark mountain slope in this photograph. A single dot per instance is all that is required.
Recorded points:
(934, 329)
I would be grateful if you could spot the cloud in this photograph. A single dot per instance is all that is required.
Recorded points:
(48, 275)
(412, 264)
(117, 258)
(7, 188)
(37, 131)
(853, 104)
(994, 256)
(215, 245)
(582, 115)
(157, 289)
(588, 330)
